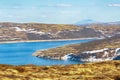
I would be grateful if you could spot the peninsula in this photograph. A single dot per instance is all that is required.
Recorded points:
(86, 52)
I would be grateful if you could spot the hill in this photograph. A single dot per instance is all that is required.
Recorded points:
(39, 31)
(86, 22)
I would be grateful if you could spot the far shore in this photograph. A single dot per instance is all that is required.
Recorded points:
(52, 40)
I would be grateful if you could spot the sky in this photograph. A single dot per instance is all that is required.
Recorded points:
(59, 11)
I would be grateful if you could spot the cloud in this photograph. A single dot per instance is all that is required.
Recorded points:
(43, 16)
(114, 5)
(50, 5)
(57, 5)
(12, 16)
(34, 7)
(63, 5)
(16, 7)
(70, 11)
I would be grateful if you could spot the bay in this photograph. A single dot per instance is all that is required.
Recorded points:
(21, 53)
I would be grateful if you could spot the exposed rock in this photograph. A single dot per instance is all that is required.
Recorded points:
(95, 55)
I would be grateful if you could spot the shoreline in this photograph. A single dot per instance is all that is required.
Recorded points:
(52, 40)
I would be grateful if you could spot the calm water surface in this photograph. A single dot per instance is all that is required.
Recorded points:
(21, 53)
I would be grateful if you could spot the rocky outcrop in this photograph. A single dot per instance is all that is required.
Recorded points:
(82, 33)
(41, 54)
(95, 55)
(86, 56)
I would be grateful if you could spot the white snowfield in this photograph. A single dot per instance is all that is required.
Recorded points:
(66, 57)
(18, 29)
(95, 51)
(28, 30)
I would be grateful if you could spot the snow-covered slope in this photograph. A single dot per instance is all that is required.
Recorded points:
(95, 55)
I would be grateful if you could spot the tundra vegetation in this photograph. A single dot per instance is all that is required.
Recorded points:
(109, 70)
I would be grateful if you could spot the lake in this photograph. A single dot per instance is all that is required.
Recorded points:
(21, 53)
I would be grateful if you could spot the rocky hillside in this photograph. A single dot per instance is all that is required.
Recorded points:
(95, 55)
(95, 71)
(38, 31)
(90, 51)
(106, 28)
(31, 31)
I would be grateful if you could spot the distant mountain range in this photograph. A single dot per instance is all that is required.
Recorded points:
(86, 22)
(90, 21)
(117, 22)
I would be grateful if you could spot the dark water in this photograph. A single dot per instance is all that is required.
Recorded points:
(21, 53)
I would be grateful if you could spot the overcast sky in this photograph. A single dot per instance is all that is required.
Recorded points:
(59, 11)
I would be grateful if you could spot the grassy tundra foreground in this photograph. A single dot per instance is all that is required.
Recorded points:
(92, 71)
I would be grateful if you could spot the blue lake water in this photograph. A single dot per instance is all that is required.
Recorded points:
(21, 53)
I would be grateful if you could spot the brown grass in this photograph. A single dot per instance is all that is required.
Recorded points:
(92, 71)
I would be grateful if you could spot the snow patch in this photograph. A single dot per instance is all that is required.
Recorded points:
(19, 29)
